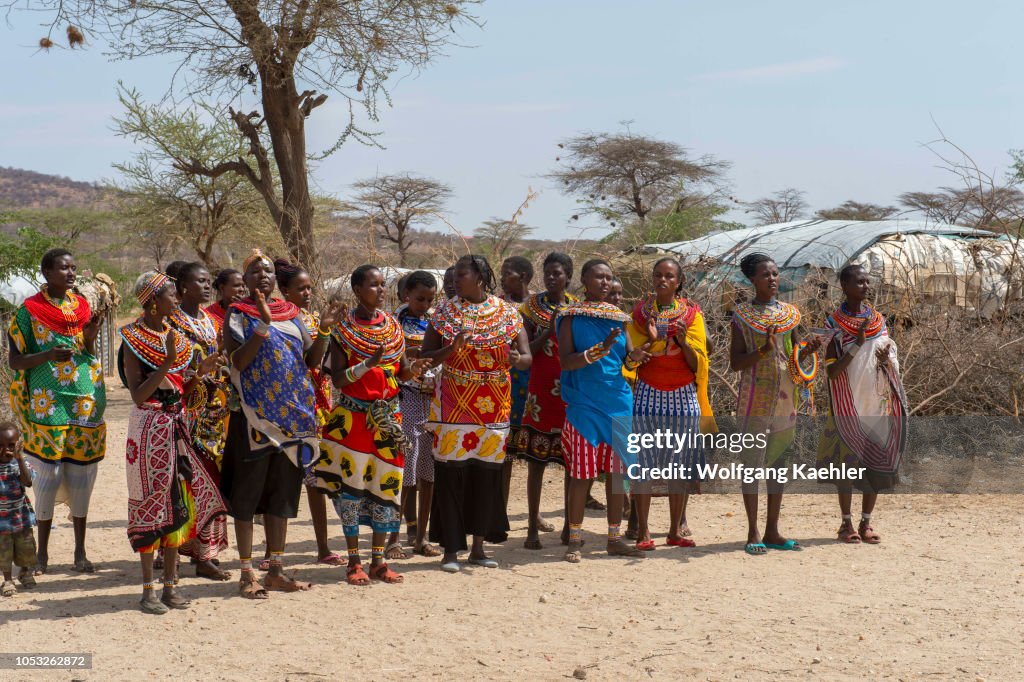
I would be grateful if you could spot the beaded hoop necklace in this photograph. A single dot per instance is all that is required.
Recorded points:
(598, 309)
(149, 345)
(850, 322)
(796, 371)
(540, 311)
(200, 329)
(280, 310)
(362, 338)
(761, 317)
(490, 323)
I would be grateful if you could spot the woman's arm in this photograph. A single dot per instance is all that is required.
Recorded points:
(141, 390)
(521, 357)
(241, 355)
(538, 336)
(432, 349)
(739, 358)
(570, 359)
(89, 333)
(21, 362)
(316, 353)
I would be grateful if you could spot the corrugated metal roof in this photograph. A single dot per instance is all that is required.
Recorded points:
(820, 243)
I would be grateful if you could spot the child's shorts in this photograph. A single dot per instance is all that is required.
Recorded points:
(19, 548)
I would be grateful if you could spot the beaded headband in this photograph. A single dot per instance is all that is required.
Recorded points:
(256, 255)
(156, 283)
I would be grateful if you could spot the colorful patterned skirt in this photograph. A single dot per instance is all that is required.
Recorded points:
(539, 439)
(159, 462)
(585, 460)
(677, 411)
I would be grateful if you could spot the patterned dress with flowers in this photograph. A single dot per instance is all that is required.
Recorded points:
(469, 414)
(540, 438)
(59, 405)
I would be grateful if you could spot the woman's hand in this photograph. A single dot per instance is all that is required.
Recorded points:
(862, 331)
(261, 305)
(640, 355)
(652, 329)
(92, 329)
(769, 342)
(170, 348)
(418, 367)
(460, 341)
(609, 340)
(374, 359)
(59, 354)
(680, 337)
(336, 312)
(211, 363)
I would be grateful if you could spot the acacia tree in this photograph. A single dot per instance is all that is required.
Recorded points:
(167, 202)
(783, 206)
(625, 176)
(291, 53)
(394, 203)
(984, 205)
(499, 236)
(855, 210)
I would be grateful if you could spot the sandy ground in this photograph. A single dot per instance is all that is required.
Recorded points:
(941, 598)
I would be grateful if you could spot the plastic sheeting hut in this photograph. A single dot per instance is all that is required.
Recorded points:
(911, 263)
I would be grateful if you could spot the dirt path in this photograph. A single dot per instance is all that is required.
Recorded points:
(941, 598)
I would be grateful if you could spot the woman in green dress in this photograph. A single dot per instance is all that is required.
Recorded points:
(58, 397)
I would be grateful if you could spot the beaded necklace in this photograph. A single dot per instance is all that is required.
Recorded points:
(149, 346)
(668, 320)
(850, 322)
(311, 321)
(66, 317)
(761, 316)
(598, 309)
(490, 323)
(363, 338)
(540, 311)
(200, 330)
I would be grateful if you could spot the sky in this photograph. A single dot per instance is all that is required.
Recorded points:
(836, 99)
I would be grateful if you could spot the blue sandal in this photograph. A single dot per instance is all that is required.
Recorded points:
(788, 545)
(755, 549)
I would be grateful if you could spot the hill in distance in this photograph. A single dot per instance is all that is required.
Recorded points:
(28, 189)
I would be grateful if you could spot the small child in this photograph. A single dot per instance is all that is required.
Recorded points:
(17, 543)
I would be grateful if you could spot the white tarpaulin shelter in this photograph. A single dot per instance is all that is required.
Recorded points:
(947, 264)
(391, 277)
(16, 289)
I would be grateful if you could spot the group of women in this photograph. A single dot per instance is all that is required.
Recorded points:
(240, 404)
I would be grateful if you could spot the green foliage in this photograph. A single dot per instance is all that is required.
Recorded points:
(20, 255)
(167, 201)
(681, 224)
(67, 226)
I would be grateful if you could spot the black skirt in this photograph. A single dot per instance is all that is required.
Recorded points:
(468, 500)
